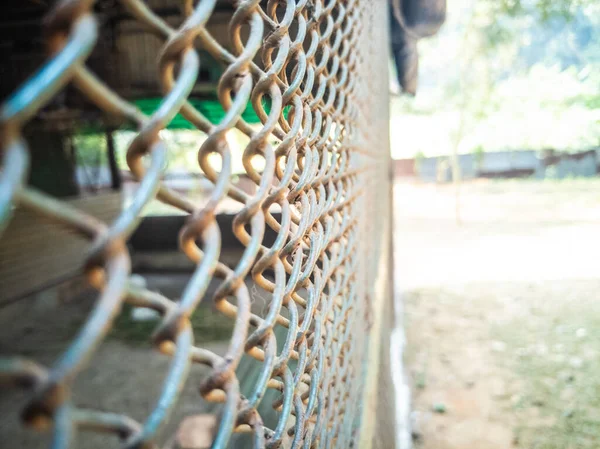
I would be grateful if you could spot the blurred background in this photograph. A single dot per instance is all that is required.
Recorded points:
(497, 216)
(504, 76)
(497, 208)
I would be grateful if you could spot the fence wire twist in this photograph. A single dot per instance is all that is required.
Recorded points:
(325, 170)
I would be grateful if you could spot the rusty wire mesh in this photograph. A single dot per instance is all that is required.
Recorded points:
(325, 150)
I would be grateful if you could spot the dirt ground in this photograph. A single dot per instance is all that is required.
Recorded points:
(126, 374)
(501, 313)
(501, 317)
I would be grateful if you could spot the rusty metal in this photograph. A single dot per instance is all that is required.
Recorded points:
(327, 173)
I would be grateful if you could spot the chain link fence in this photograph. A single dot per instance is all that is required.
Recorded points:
(321, 68)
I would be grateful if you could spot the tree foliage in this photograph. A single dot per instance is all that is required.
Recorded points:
(508, 74)
(546, 9)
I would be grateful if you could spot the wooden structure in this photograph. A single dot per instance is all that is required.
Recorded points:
(58, 253)
(126, 60)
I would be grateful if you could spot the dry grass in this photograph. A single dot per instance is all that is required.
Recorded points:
(207, 324)
(554, 352)
(502, 317)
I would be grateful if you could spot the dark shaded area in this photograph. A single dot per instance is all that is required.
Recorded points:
(52, 168)
(411, 20)
(514, 173)
(423, 18)
(161, 233)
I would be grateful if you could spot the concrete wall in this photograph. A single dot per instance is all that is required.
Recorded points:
(503, 164)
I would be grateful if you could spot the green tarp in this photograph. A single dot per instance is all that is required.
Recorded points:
(210, 108)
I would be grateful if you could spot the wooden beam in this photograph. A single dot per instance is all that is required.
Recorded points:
(115, 173)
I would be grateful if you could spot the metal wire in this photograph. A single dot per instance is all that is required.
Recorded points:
(327, 173)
